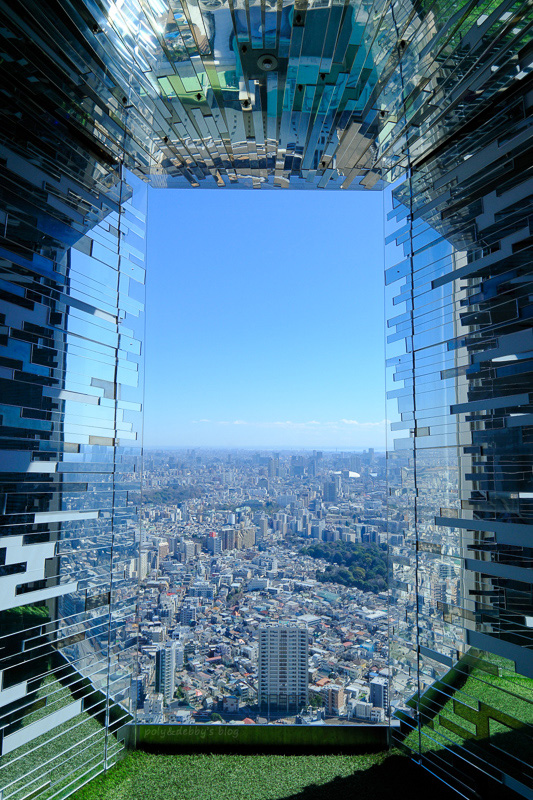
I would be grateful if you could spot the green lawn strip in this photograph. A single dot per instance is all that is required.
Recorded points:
(145, 776)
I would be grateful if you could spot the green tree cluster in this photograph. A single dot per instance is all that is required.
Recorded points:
(316, 700)
(363, 566)
(172, 494)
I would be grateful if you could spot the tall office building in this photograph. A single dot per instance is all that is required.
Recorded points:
(165, 670)
(282, 680)
(214, 544)
(187, 549)
(138, 692)
(329, 491)
(430, 103)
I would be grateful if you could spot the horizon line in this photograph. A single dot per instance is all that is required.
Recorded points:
(329, 448)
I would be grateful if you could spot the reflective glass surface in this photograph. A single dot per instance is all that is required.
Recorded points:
(458, 264)
(431, 100)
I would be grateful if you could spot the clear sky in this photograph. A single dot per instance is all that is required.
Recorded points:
(265, 319)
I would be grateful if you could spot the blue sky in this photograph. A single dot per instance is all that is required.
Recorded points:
(264, 319)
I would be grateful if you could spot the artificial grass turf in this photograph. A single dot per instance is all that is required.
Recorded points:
(56, 756)
(500, 695)
(149, 776)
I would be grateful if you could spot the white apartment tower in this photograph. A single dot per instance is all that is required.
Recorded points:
(283, 656)
(165, 670)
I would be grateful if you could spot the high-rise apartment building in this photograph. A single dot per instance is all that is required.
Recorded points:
(187, 614)
(165, 670)
(430, 103)
(245, 538)
(282, 680)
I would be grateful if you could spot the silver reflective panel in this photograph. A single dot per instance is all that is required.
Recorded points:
(429, 101)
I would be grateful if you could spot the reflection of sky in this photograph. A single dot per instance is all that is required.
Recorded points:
(82, 419)
(434, 326)
(98, 289)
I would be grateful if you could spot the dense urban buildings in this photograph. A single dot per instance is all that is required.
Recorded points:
(285, 558)
(427, 101)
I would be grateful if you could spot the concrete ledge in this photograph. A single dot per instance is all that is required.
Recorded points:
(310, 739)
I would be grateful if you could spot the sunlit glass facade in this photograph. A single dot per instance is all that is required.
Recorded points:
(428, 102)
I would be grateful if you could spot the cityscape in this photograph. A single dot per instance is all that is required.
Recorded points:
(235, 543)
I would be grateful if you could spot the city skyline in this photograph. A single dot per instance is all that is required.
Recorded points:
(241, 552)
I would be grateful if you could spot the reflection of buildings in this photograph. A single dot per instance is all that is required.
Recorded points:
(462, 579)
(218, 96)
